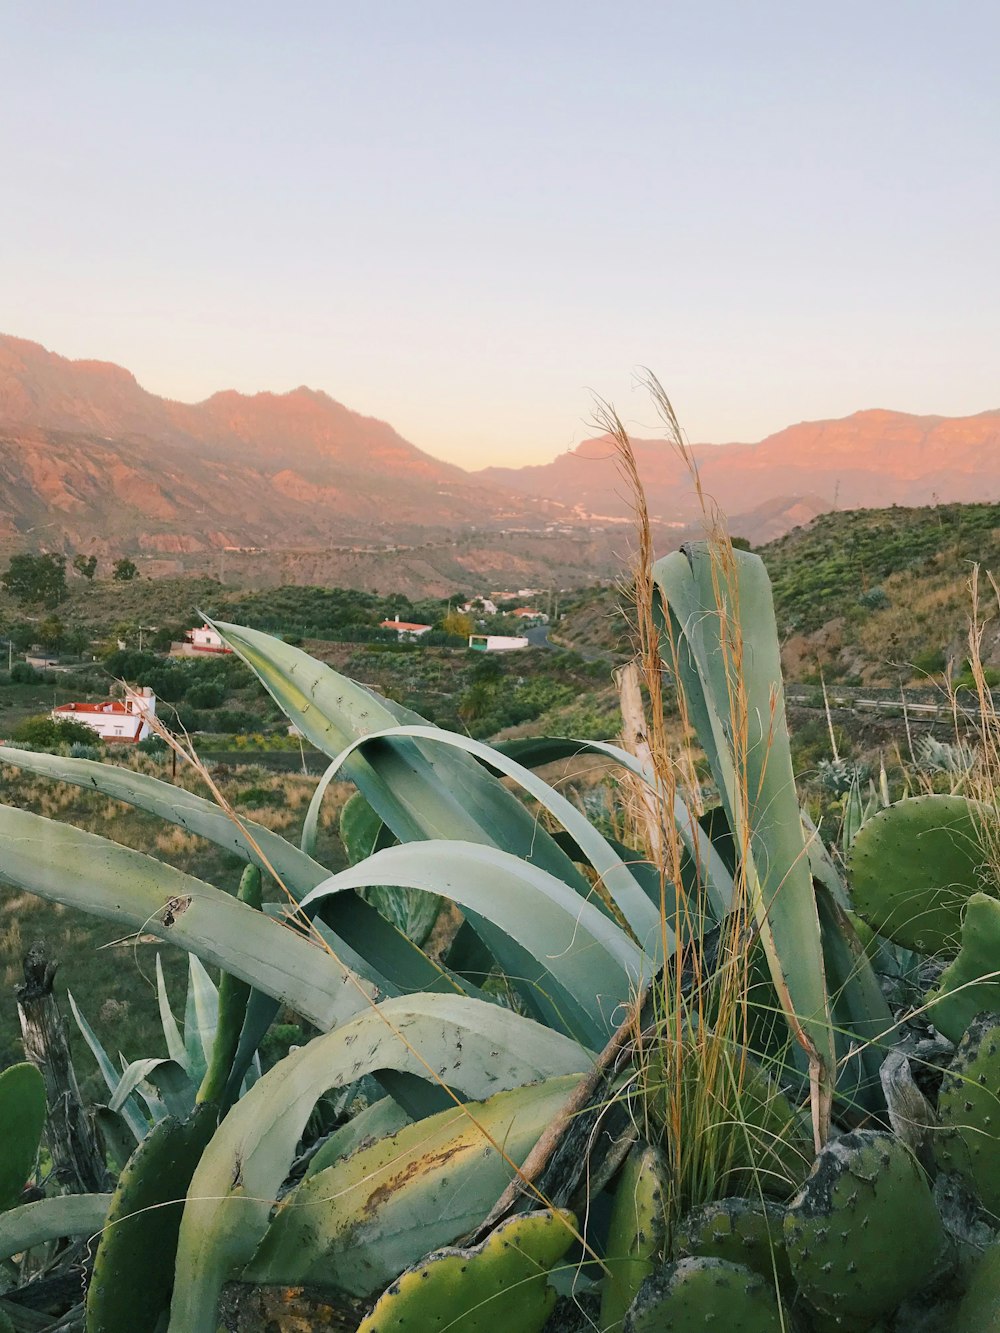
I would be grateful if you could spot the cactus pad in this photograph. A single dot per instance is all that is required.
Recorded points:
(913, 867)
(744, 1231)
(134, 1264)
(636, 1234)
(864, 1234)
(692, 1294)
(22, 1119)
(960, 994)
(969, 1111)
(500, 1286)
(979, 1311)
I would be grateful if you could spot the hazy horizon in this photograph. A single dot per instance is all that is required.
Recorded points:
(464, 222)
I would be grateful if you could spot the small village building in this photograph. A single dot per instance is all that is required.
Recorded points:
(117, 721)
(483, 606)
(206, 640)
(530, 613)
(497, 643)
(407, 631)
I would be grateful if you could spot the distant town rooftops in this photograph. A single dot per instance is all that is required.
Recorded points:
(405, 626)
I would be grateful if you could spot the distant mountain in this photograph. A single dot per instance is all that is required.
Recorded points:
(867, 460)
(89, 460)
(82, 443)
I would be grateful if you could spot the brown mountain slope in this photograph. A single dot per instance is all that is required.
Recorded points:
(866, 460)
(88, 454)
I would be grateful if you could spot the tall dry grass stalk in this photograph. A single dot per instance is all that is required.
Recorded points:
(984, 782)
(693, 1060)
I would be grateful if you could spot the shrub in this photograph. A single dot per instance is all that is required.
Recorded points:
(21, 673)
(48, 734)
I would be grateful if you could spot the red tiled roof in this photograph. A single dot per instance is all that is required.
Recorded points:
(110, 706)
(402, 624)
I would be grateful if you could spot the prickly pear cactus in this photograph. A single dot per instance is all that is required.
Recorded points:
(744, 1231)
(979, 1311)
(500, 1286)
(694, 1294)
(969, 1111)
(913, 867)
(969, 986)
(22, 1119)
(636, 1235)
(864, 1234)
(134, 1265)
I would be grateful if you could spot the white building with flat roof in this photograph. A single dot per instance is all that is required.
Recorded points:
(117, 721)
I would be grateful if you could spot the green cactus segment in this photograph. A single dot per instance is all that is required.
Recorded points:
(22, 1119)
(500, 1286)
(979, 1311)
(969, 1111)
(234, 995)
(353, 1226)
(134, 1264)
(864, 1234)
(913, 868)
(743, 1231)
(636, 1236)
(694, 1294)
(970, 984)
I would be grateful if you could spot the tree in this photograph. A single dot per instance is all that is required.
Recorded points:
(51, 633)
(459, 624)
(125, 570)
(48, 734)
(85, 566)
(36, 578)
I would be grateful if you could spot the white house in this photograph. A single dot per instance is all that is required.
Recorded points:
(206, 640)
(530, 613)
(483, 606)
(406, 630)
(121, 721)
(496, 643)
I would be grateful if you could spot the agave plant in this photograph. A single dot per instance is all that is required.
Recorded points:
(591, 939)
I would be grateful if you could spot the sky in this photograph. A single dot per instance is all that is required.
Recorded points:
(469, 218)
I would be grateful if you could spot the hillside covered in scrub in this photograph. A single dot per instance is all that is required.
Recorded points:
(873, 596)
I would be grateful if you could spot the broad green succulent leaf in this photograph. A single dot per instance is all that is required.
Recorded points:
(163, 1085)
(175, 1042)
(726, 638)
(363, 833)
(643, 919)
(133, 1115)
(584, 965)
(357, 1224)
(374, 1122)
(201, 1018)
(477, 1048)
(67, 865)
(534, 751)
(51, 1219)
(22, 1119)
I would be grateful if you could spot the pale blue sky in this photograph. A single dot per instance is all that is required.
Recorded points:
(462, 217)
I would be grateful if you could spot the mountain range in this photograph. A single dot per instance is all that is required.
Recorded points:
(90, 461)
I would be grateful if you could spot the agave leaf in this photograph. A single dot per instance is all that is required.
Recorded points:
(163, 1085)
(478, 1048)
(617, 878)
(362, 832)
(175, 1042)
(67, 865)
(371, 1124)
(727, 642)
(534, 751)
(131, 1112)
(201, 1018)
(418, 793)
(579, 955)
(51, 1219)
(178, 806)
(356, 1225)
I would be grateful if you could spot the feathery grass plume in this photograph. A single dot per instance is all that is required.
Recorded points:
(693, 1069)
